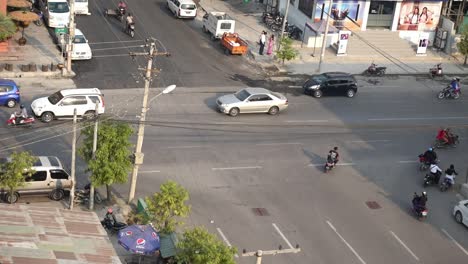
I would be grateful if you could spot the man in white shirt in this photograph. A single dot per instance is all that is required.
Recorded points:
(262, 42)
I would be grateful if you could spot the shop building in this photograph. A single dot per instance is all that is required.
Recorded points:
(409, 18)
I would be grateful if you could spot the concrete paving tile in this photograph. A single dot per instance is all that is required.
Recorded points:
(26, 252)
(24, 260)
(64, 255)
(16, 219)
(97, 258)
(17, 229)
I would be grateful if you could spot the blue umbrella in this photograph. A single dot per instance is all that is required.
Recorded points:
(140, 239)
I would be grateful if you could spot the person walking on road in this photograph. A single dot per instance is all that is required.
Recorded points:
(262, 42)
(271, 44)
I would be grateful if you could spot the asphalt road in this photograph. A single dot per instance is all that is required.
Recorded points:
(231, 166)
(195, 60)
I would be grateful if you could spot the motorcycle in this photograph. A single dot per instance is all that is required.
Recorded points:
(24, 122)
(421, 213)
(38, 22)
(423, 165)
(82, 196)
(445, 185)
(431, 179)
(441, 144)
(131, 30)
(436, 70)
(447, 93)
(329, 165)
(110, 223)
(374, 70)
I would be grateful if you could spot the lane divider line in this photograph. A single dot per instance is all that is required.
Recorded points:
(404, 245)
(305, 121)
(339, 164)
(278, 144)
(416, 118)
(225, 239)
(454, 241)
(408, 161)
(346, 243)
(238, 168)
(283, 236)
(150, 171)
(369, 141)
(184, 147)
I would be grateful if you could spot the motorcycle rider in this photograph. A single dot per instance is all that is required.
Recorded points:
(419, 202)
(455, 86)
(129, 21)
(430, 156)
(333, 156)
(450, 174)
(372, 68)
(442, 136)
(435, 172)
(20, 115)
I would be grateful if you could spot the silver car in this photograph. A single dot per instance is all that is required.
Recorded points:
(252, 100)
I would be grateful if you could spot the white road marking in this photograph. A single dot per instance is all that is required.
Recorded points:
(369, 141)
(278, 144)
(184, 147)
(417, 118)
(323, 164)
(294, 86)
(150, 171)
(238, 168)
(225, 239)
(404, 245)
(283, 236)
(454, 241)
(408, 161)
(346, 243)
(305, 121)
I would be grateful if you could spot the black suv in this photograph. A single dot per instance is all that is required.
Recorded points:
(331, 83)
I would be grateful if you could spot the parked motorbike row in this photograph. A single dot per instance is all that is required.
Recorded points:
(82, 196)
(275, 23)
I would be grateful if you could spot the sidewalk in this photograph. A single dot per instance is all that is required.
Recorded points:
(39, 50)
(249, 26)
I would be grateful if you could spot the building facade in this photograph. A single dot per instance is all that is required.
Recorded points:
(408, 17)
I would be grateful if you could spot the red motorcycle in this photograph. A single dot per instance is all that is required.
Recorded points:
(23, 122)
(436, 70)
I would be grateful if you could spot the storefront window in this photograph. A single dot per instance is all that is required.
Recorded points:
(381, 8)
(306, 6)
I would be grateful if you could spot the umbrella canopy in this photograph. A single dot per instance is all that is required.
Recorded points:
(23, 16)
(19, 3)
(140, 239)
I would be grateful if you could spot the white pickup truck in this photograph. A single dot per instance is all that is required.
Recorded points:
(218, 23)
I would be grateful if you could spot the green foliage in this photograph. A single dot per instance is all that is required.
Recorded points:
(7, 27)
(463, 44)
(164, 207)
(14, 171)
(112, 163)
(198, 246)
(286, 51)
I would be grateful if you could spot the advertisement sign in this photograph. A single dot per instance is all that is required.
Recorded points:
(343, 37)
(423, 43)
(419, 15)
(347, 14)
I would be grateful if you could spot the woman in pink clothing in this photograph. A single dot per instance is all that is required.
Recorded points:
(271, 44)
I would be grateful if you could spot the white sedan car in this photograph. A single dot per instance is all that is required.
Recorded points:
(81, 49)
(252, 100)
(460, 211)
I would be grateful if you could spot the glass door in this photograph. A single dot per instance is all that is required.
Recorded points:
(381, 14)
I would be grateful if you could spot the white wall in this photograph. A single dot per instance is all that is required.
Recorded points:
(365, 16)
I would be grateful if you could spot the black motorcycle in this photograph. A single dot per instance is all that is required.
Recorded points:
(431, 179)
(448, 93)
(82, 196)
(111, 224)
(436, 70)
(373, 70)
(445, 185)
(131, 30)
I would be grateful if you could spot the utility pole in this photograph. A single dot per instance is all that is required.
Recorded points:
(138, 155)
(324, 41)
(91, 189)
(72, 191)
(71, 34)
(260, 253)
(285, 19)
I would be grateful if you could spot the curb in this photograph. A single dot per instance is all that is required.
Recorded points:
(51, 75)
(464, 190)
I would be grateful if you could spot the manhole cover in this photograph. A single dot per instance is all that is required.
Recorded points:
(260, 211)
(373, 205)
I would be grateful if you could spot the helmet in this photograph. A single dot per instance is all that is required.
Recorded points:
(430, 149)
(458, 79)
(21, 106)
(424, 193)
(335, 148)
(109, 211)
(452, 167)
(129, 14)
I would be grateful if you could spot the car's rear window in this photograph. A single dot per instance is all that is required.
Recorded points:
(277, 95)
(188, 6)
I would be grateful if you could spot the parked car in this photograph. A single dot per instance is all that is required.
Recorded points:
(252, 100)
(460, 212)
(81, 7)
(49, 177)
(9, 93)
(62, 104)
(56, 12)
(331, 83)
(218, 23)
(182, 8)
(81, 49)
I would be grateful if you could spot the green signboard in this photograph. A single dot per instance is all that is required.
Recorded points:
(59, 31)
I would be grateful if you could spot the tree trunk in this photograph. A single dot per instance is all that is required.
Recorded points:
(466, 56)
(108, 192)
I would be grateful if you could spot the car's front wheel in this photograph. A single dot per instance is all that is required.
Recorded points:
(56, 195)
(317, 94)
(11, 197)
(273, 110)
(47, 117)
(234, 111)
(459, 217)
(350, 93)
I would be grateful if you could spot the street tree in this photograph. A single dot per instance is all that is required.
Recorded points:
(7, 27)
(463, 44)
(13, 172)
(112, 162)
(165, 207)
(286, 51)
(198, 246)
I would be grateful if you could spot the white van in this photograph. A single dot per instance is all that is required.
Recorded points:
(182, 8)
(63, 103)
(56, 12)
(218, 23)
(81, 7)
(49, 177)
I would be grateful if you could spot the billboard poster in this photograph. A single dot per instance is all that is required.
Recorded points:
(423, 43)
(347, 14)
(419, 15)
(343, 42)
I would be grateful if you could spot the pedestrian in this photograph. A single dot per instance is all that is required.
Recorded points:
(271, 44)
(262, 42)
